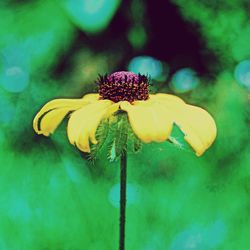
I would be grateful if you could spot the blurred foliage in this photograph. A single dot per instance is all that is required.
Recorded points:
(224, 25)
(93, 15)
(51, 197)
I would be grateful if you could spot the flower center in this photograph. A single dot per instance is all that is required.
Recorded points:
(123, 86)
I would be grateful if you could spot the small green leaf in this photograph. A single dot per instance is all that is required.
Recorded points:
(137, 144)
(177, 139)
(112, 152)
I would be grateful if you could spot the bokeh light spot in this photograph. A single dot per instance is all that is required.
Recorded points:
(15, 79)
(242, 73)
(71, 172)
(184, 80)
(154, 242)
(146, 65)
(7, 110)
(2, 244)
(2, 139)
(55, 183)
(19, 209)
(190, 238)
(198, 237)
(132, 195)
(14, 73)
(216, 233)
(92, 15)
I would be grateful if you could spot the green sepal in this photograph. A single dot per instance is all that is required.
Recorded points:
(120, 137)
(137, 144)
(114, 137)
(112, 152)
(101, 137)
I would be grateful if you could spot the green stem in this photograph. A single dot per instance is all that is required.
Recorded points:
(123, 183)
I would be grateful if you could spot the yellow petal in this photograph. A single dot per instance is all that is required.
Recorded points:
(147, 120)
(109, 111)
(84, 122)
(152, 120)
(53, 112)
(169, 99)
(91, 97)
(51, 120)
(197, 125)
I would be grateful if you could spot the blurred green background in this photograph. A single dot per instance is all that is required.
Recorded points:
(51, 197)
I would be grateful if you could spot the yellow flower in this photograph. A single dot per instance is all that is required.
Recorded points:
(151, 116)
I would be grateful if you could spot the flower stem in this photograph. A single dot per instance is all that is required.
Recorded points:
(123, 183)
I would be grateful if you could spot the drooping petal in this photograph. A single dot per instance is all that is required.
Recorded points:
(167, 98)
(84, 122)
(51, 120)
(53, 112)
(152, 120)
(147, 120)
(91, 97)
(197, 125)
